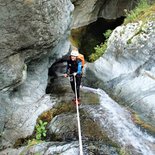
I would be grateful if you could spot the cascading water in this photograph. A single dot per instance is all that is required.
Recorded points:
(118, 124)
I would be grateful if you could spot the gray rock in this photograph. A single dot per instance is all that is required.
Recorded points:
(127, 69)
(29, 31)
(22, 106)
(33, 35)
(64, 126)
(87, 12)
(12, 72)
(46, 149)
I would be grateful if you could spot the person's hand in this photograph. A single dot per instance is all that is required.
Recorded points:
(74, 74)
(65, 75)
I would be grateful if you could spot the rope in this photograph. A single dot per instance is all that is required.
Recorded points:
(78, 119)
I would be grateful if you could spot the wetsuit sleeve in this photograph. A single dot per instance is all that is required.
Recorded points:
(79, 69)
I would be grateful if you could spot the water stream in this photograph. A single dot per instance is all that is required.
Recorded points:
(118, 124)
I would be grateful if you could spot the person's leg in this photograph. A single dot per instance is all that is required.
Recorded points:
(78, 82)
(72, 83)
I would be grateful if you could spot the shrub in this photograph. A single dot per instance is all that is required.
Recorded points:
(140, 12)
(107, 34)
(100, 49)
(40, 130)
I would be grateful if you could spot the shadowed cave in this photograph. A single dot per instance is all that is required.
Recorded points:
(87, 37)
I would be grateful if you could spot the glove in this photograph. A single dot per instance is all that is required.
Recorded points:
(74, 74)
(65, 75)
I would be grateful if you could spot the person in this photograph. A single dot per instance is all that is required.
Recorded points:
(74, 68)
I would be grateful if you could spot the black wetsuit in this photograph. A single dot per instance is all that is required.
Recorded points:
(72, 67)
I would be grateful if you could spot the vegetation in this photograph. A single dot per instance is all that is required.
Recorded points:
(41, 130)
(123, 151)
(84, 40)
(142, 124)
(100, 49)
(142, 11)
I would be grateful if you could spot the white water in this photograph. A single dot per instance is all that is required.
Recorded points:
(118, 124)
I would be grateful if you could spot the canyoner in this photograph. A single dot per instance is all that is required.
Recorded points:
(74, 70)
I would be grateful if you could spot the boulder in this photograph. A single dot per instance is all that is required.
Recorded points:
(127, 69)
(33, 36)
(87, 12)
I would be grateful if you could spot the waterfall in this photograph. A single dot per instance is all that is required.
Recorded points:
(117, 122)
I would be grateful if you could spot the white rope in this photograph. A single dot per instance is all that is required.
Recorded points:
(78, 119)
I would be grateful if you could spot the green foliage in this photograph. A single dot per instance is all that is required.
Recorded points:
(100, 49)
(107, 34)
(123, 152)
(40, 130)
(37, 153)
(140, 12)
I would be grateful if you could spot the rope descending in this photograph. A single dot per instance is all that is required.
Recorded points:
(78, 119)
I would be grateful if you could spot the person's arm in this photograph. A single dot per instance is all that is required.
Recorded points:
(79, 70)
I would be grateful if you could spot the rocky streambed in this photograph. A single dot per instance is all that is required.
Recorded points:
(106, 127)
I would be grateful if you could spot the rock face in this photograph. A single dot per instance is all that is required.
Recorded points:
(32, 37)
(29, 31)
(46, 148)
(127, 69)
(87, 12)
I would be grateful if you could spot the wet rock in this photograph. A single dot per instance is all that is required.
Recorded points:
(63, 148)
(46, 149)
(64, 126)
(127, 71)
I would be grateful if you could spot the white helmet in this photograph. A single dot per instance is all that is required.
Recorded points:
(75, 53)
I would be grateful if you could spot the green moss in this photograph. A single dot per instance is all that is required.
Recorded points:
(92, 130)
(89, 98)
(76, 36)
(123, 151)
(37, 153)
(145, 126)
(62, 108)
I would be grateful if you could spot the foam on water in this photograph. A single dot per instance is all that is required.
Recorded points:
(117, 122)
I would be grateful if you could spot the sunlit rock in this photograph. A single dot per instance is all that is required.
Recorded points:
(127, 69)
